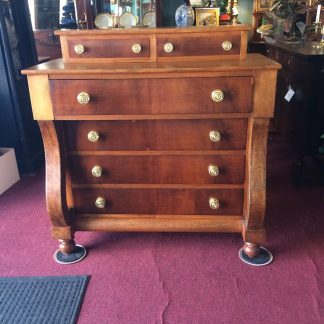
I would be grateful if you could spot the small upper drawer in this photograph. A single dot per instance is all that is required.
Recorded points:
(152, 96)
(136, 49)
(178, 47)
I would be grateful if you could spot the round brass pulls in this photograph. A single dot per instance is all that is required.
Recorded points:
(79, 49)
(100, 202)
(168, 47)
(96, 171)
(227, 46)
(213, 170)
(93, 136)
(136, 48)
(217, 95)
(215, 136)
(83, 98)
(213, 203)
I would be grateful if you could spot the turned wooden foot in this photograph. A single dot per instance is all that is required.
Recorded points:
(251, 250)
(255, 255)
(69, 252)
(66, 246)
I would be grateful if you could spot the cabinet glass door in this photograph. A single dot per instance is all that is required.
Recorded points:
(129, 13)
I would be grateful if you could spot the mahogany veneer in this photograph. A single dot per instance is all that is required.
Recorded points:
(150, 201)
(160, 141)
(150, 169)
(160, 96)
(157, 135)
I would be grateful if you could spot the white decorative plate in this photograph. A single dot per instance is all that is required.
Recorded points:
(104, 21)
(149, 19)
(127, 20)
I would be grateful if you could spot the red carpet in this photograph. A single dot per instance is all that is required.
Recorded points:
(183, 278)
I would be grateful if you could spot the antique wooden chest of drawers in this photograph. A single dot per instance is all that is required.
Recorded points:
(155, 130)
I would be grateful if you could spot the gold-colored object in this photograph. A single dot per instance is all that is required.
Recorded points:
(217, 95)
(97, 171)
(136, 48)
(168, 47)
(100, 202)
(79, 49)
(93, 136)
(83, 98)
(213, 203)
(227, 46)
(215, 136)
(213, 170)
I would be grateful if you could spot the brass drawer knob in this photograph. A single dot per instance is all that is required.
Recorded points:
(93, 136)
(217, 95)
(168, 47)
(79, 49)
(136, 48)
(213, 170)
(83, 98)
(97, 171)
(100, 202)
(215, 136)
(227, 46)
(213, 203)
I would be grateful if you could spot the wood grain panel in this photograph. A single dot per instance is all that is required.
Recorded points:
(197, 45)
(159, 201)
(157, 169)
(152, 224)
(156, 135)
(41, 104)
(109, 48)
(152, 96)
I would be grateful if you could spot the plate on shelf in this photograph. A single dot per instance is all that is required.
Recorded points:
(104, 21)
(149, 19)
(127, 20)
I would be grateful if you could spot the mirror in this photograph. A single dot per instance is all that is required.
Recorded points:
(52, 14)
(47, 16)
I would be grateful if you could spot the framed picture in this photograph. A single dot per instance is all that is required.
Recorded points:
(207, 16)
(263, 5)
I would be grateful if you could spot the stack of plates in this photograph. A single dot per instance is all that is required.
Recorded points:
(104, 21)
(149, 19)
(127, 20)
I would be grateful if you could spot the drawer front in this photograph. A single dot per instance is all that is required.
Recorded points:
(152, 96)
(116, 48)
(285, 59)
(157, 135)
(173, 46)
(157, 169)
(159, 201)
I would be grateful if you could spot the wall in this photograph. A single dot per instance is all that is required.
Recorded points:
(170, 6)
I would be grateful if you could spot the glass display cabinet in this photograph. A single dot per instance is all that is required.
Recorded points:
(104, 14)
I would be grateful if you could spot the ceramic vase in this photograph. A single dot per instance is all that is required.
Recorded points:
(184, 16)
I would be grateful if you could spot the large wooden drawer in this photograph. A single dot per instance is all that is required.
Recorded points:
(165, 169)
(157, 135)
(152, 96)
(193, 45)
(159, 201)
